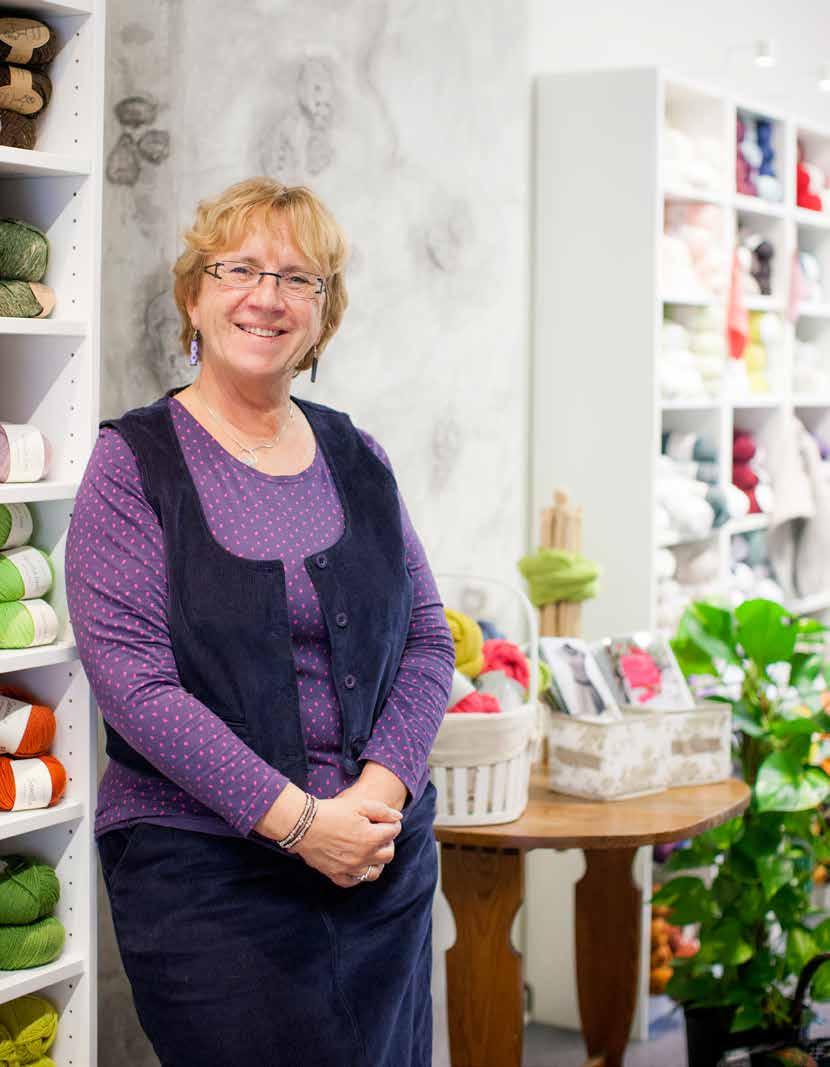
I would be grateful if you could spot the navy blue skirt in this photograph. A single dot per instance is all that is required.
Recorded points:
(235, 952)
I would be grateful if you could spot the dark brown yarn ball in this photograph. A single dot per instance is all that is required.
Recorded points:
(16, 131)
(26, 42)
(22, 90)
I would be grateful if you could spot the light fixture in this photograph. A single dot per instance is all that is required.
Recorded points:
(824, 78)
(765, 53)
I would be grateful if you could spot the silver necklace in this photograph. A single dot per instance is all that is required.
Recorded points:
(248, 454)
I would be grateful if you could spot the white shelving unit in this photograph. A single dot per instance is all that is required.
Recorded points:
(49, 376)
(598, 415)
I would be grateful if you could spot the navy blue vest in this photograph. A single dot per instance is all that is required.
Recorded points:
(228, 616)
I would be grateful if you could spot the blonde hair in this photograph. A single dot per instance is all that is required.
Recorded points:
(220, 223)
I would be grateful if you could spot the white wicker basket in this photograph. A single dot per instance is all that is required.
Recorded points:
(480, 763)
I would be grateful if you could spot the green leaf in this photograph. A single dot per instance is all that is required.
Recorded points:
(691, 658)
(760, 972)
(801, 947)
(688, 898)
(820, 985)
(805, 667)
(712, 629)
(722, 837)
(784, 785)
(774, 872)
(807, 625)
(766, 631)
(725, 944)
(748, 1016)
(747, 718)
(803, 725)
(761, 837)
(789, 905)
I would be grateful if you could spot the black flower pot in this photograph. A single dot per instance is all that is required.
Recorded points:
(708, 1035)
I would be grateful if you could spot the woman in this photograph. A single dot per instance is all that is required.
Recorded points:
(269, 652)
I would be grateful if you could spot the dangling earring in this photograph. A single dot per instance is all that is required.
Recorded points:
(314, 364)
(195, 348)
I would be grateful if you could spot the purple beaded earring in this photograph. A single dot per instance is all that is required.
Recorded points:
(195, 348)
(314, 363)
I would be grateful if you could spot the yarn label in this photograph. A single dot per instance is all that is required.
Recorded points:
(33, 568)
(22, 36)
(45, 622)
(14, 718)
(27, 451)
(32, 784)
(20, 95)
(21, 527)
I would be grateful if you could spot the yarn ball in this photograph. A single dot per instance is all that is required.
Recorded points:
(476, 702)
(26, 300)
(32, 1023)
(26, 41)
(16, 131)
(8, 787)
(31, 946)
(489, 630)
(12, 564)
(468, 640)
(24, 91)
(16, 525)
(37, 722)
(743, 447)
(32, 437)
(17, 624)
(24, 251)
(507, 657)
(28, 891)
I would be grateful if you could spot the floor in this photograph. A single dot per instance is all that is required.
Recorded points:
(547, 1046)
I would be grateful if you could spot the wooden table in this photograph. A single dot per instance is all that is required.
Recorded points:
(482, 875)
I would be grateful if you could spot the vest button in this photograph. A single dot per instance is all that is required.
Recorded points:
(322, 561)
(350, 681)
(341, 618)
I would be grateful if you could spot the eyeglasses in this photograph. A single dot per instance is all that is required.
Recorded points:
(297, 285)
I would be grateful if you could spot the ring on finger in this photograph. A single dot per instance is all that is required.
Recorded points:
(366, 874)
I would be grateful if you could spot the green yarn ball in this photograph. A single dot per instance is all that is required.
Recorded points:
(32, 1024)
(11, 582)
(6, 522)
(17, 628)
(28, 891)
(18, 300)
(24, 251)
(34, 945)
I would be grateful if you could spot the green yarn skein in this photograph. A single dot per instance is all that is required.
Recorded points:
(32, 1023)
(31, 946)
(11, 582)
(17, 628)
(553, 574)
(18, 300)
(24, 251)
(28, 891)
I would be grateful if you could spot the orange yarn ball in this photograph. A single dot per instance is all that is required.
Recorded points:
(8, 787)
(40, 729)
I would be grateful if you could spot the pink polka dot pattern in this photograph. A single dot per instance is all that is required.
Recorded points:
(117, 592)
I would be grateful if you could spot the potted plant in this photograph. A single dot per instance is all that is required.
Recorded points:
(757, 926)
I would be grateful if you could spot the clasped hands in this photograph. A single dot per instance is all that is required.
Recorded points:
(352, 833)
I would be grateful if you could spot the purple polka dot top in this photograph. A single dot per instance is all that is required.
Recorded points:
(117, 593)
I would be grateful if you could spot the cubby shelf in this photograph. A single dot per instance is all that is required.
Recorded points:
(43, 656)
(32, 492)
(22, 163)
(49, 378)
(14, 823)
(610, 360)
(42, 328)
(17, 983)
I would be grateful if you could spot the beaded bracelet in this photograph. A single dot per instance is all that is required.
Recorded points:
(302, 825)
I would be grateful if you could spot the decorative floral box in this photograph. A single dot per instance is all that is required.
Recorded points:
(608, 760)
(700, 744)
(644, 752)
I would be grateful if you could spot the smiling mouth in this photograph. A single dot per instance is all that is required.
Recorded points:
(259, 331)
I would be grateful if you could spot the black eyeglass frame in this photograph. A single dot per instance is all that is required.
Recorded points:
(210, 268)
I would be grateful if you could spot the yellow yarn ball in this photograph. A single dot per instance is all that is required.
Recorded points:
(469, 642)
